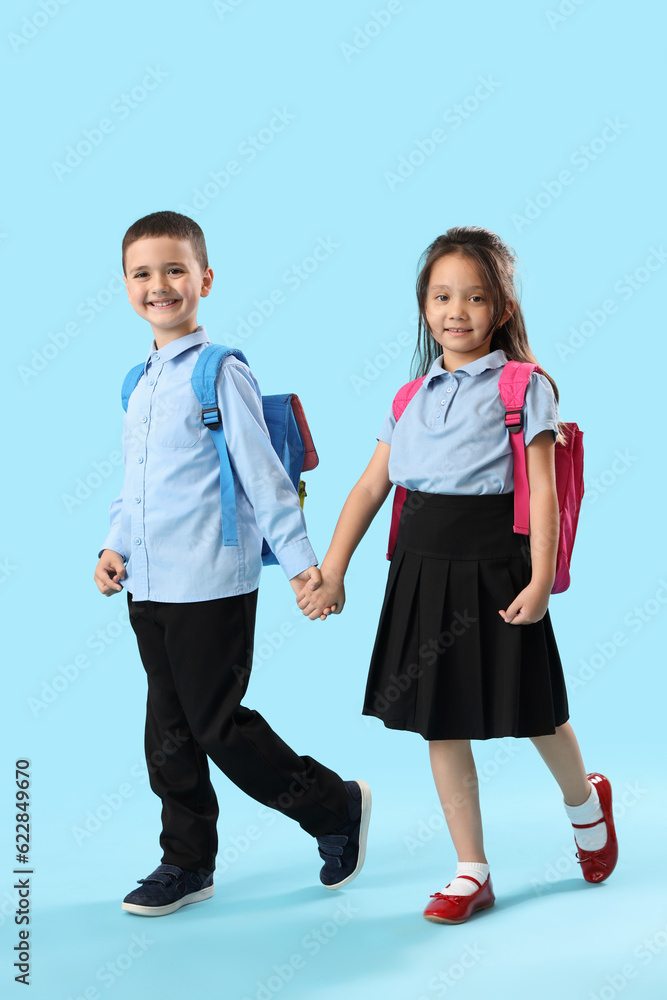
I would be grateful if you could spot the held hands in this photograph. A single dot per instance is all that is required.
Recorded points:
(311, 575)
(109, 571)
(321, 598)
(529, 606)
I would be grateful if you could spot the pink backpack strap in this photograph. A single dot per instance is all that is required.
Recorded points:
(512, 386)
(401, 400)
(405, 394)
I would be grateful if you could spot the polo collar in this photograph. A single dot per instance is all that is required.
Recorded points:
(495, 359)
(176, 347)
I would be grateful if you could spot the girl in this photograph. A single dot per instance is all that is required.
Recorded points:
(465, 648)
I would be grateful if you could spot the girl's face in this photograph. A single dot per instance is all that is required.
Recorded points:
(459, 311)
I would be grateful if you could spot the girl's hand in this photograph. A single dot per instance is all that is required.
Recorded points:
(322, 600)
(528, 606)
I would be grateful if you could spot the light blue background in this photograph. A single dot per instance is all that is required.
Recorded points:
(348, 329)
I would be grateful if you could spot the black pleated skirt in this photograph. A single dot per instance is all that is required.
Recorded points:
(445, 664)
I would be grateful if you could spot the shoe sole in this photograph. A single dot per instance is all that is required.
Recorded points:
(443, 920)
(366, 802)
(161, 911)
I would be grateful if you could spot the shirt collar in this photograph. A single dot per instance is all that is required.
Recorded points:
(176, 347)
(495, 359)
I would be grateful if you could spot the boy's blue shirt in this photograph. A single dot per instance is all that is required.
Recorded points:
(166, 522)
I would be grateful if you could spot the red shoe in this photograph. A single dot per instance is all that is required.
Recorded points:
(456, 909)
(596, 866)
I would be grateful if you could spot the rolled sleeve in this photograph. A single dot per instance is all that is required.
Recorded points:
(260, 472)
(541, 408)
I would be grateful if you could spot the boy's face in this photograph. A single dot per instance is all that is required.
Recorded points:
(164, 284)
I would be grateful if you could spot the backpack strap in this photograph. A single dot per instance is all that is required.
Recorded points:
(512, 386)
(401, 400)
(405, 394)
(204, 377)
(203, 380)
(130, 383)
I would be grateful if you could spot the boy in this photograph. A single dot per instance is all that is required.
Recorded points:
(191, 601)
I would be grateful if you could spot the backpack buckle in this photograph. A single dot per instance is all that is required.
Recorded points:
(212, 418)
(514, 421)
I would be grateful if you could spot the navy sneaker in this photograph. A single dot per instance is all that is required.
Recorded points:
(166, 889)
(344, 850)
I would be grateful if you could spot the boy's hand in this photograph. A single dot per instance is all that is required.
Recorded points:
(109, 572)
(326, 599)
(310, 576)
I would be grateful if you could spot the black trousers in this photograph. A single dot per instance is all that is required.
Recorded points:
(197, 658)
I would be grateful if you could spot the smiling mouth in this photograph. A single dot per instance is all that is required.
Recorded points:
(163, 303)
(458, 329)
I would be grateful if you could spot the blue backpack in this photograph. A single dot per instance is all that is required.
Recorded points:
(285, 420)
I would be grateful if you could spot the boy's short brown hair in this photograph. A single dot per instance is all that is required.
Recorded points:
(168, 224)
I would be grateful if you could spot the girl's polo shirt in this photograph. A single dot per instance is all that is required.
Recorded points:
(452, 438)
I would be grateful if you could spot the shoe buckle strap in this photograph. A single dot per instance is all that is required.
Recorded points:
(162, 878)
(586, 826)
(471, 879)
(163, 875)
(332, 843)
(334, 855)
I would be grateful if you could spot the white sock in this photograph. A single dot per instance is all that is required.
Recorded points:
(592, 838)
(463, 886)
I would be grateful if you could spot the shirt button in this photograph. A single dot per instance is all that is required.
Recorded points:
(157, 357)
(151, 381)
(442, 402)
(137, 541)
(144, 420)
(140, 459)
(137, 499)
(449, 389)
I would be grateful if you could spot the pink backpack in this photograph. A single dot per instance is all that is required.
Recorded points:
(569, 458)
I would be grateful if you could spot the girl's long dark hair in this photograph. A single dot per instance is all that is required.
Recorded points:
(495, 261)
